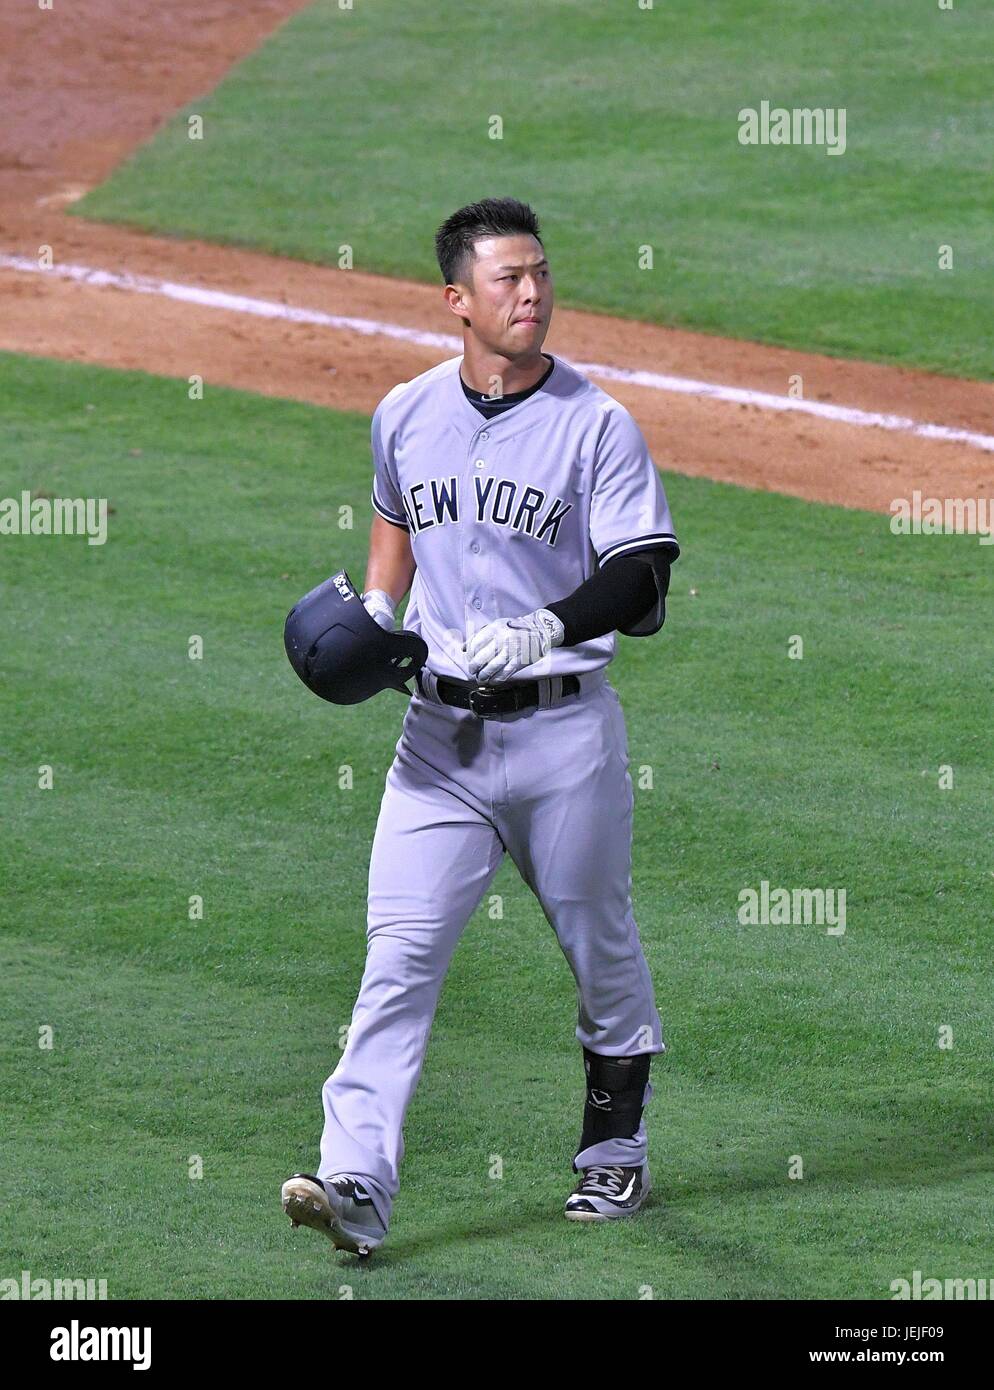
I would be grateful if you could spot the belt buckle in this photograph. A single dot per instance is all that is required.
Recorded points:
(483, 692)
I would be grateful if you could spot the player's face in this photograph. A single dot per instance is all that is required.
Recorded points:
(509, 303)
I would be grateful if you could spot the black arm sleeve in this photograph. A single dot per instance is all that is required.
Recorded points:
(627, 595)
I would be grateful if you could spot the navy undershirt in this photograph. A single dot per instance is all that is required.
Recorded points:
(488, 407)
(614, 597)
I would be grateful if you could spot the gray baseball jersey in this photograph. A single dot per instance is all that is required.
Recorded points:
(505, 516)
(509, 514)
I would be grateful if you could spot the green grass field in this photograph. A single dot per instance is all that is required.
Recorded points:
(367, 127)
(176, 1038)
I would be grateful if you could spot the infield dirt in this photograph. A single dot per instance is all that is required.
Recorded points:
(87, 83)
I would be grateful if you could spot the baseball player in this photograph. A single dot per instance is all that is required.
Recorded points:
(520, 505)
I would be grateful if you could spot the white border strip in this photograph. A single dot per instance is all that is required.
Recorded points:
(270, 309)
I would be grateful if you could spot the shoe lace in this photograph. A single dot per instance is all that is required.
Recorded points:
(607, 1180)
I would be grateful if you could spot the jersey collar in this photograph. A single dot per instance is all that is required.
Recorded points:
(470, 410)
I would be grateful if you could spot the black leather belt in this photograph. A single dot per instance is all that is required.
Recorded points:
(486, 700)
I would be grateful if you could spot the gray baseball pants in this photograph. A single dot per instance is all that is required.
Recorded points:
(550, 786)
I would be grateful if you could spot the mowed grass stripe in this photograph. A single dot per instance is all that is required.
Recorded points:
(621, 126)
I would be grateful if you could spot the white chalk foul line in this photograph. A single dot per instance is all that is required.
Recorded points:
(655, 381)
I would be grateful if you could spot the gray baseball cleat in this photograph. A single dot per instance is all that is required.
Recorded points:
(606, 1192)
(339, 1206)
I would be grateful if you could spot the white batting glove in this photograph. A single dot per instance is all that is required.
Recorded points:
(501, 649)
(380, 607)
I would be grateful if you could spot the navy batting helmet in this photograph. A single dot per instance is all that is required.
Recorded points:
(340, 653)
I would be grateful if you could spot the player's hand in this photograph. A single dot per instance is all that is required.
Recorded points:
(380, 607)
(500, 649)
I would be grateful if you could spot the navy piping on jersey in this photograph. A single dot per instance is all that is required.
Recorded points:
(394, 518)
(657, 540)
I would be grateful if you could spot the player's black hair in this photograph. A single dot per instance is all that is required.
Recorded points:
(490, 217)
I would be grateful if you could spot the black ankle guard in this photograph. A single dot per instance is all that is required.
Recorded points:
(615, 1087)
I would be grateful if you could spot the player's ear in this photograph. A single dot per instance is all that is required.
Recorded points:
(458, 305)
(454, 299)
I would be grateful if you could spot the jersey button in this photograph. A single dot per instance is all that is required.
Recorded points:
(481, 463)
(478, 603)
(485, 434)
(474, 548)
